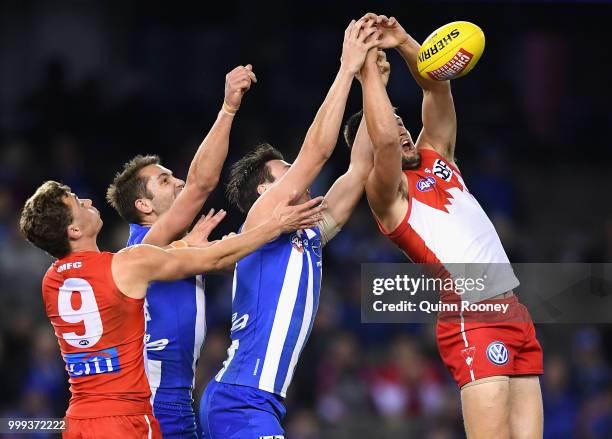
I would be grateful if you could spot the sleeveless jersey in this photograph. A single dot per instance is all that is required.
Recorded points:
(274, 302)
(101, 336)
(176, 328)
(444, 224)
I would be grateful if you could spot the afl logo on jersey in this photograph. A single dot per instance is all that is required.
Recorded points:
(497, 353)
(426, 184)
(297, 244)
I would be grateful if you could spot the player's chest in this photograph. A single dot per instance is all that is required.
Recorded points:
(435, 183)
(433, 177)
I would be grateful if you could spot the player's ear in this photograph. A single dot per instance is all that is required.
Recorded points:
(74, 232)
(262, 188)
(144, 205)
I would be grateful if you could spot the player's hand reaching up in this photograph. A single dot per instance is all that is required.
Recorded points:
(301, 216)
(359, 37)
(392, 33)
(237, 83)
(383, 66)
(198, 237)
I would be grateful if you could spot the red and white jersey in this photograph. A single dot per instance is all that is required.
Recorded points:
(101, 336)
(444, 224)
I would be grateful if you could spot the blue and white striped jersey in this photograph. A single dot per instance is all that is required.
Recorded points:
(176, 328)
(274, 302)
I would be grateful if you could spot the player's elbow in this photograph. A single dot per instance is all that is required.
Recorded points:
(203, 186)
(385, 142)
(217, 264)
(383, 135)
(320, 151)
(358, 173)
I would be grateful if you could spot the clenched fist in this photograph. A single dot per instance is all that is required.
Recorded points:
(237, 83)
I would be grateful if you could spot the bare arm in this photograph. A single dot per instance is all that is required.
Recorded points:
(322, 135)
(344, 194)
(438, 111)
(135, 267)
(384, 182)
(346, 191)
(205, 167)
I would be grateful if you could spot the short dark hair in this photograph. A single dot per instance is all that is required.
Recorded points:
(350, 128)
(248, 173)
(352, 125)
(128, 186)
(45, 218)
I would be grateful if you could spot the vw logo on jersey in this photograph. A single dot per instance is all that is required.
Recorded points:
(497, 353)
(426, 184)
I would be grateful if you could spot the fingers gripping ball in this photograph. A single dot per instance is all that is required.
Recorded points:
(451, 51)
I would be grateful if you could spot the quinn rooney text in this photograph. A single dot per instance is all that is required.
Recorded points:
(431, 307)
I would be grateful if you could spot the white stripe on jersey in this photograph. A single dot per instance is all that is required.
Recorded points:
(466, 344)
(200, 322)
(234, 282)
(230, 356)
(154, 376)
(150, 434)
(282, 319)
(303, 330)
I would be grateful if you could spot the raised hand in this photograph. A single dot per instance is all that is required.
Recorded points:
(237, 83)
(301, 216)
(383, 66)
(392, 33)
(198, 237)
(359, 37)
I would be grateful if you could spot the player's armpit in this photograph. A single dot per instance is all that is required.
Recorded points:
(132, 268)
(389, 204)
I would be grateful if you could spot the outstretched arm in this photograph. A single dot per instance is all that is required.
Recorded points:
(135, 267)
(346, 191)
(322, 135)
(384, 182)
(344, 194)
(438, 111)
(206, 165)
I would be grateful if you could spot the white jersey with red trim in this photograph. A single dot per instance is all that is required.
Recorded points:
(444, 224)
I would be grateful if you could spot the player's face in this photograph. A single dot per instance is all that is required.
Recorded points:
(84, 215)
(411, 159)
(278, 168)
(163, 185)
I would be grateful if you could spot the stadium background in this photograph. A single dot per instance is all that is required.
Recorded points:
(86, 85)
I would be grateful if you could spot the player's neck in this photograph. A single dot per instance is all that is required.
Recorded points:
(84, 245)
(148, 220)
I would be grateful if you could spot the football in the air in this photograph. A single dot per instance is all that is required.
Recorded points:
(451, 51)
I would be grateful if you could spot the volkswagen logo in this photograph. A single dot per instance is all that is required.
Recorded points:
(497, 353)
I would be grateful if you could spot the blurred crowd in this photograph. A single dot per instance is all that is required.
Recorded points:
(529, 147)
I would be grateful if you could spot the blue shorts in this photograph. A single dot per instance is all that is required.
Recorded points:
(230, 411)
(175, 420)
